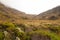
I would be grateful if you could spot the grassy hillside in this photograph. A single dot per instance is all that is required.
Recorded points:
(16, 25)
(31, 31)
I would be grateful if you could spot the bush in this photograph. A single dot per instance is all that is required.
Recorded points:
(1, 36)
(52, 35)
(22, 26)
(19, 34)
(8, 26)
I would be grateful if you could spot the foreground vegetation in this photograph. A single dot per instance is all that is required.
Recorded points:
(22, 31)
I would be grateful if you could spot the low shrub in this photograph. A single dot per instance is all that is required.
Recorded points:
(1, 36)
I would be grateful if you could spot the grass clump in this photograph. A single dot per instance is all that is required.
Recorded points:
(52, 35)
(1, 36)
(8, 26)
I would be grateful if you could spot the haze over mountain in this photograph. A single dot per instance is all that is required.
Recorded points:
(13, 14)
(7, 13)
(51, 14)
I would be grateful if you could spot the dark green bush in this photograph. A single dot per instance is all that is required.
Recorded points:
(8, 26)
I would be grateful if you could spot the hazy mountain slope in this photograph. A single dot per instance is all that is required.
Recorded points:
(7, 13)
(50, 14)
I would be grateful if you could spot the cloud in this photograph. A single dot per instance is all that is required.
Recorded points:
(32, 6)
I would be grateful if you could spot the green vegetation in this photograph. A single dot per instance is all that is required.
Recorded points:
(1, 36)
(51, 31)
(16, 25)
(52, 35)
(8, 26)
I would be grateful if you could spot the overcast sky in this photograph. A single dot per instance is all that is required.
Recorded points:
(32, 6)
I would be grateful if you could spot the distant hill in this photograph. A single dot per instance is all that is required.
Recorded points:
(7, 13)
(11, 14)
(51, 14)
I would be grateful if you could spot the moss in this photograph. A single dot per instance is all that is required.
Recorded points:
(19, 34)
(9, 26)
(1, 36)
(27, 37)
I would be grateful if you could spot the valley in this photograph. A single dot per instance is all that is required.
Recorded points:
(17, 25)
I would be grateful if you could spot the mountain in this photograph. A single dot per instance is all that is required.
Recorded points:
(7, 13)
(11, 14)
(51, 14)
(29, 29)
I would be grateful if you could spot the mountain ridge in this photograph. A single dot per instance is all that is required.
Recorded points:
(51, 14)
(12, 14)
(17, 25)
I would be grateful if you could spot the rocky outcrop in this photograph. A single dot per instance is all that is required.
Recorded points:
(17, 38)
